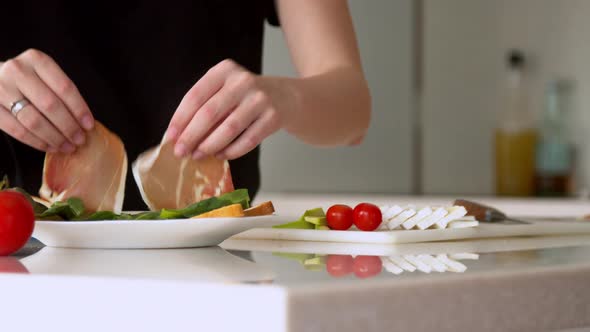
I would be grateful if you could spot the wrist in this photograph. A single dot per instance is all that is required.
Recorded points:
(285, 96)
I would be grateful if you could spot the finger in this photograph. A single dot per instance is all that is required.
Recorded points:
(214, 110)
(13, 70)
(197, 96)
(10, 125)
(35, 122)
(259, 130)
(240, 119)
(54, 77)
(50, 105)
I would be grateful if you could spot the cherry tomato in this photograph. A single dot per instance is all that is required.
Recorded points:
(17, 221)
(339, 265)
(367, 266)
(11, 265)
(367, 217)
(339, 217)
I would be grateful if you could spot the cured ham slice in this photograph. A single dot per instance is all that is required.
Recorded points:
(94, 173)
(172, 183)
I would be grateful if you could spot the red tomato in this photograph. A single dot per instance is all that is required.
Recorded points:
(339, 265)
(17, 221)
(367, 217)
(339, 217)
(367, 266)
(11, 265)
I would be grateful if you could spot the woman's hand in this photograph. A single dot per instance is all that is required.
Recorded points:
(230, 110)
(56, 116)
(227, 113)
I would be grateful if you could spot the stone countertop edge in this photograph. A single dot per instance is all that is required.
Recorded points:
(537, 299)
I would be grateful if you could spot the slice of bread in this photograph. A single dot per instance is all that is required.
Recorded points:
(262, 209)
(230, 211)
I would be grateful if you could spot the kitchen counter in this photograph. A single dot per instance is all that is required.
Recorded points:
(514, 284)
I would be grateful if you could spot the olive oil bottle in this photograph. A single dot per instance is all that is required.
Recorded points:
(515, 136)
(555, 153)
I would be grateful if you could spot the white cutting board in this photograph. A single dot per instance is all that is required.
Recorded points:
(538, 228)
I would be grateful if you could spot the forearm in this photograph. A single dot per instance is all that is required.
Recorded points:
(329, 109)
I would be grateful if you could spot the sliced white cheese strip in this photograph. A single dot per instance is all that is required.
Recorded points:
(463, 224)
(400, 218)
(392, 212)
(464, 255)
(391, 266)
(388, 213)
(403, 263)
(466, 218)
(452, 264)
(421, 214)
(455, 212)
(418, 263)
(434, 263)
(437, 215)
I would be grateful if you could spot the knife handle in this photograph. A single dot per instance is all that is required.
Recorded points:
(480, 211)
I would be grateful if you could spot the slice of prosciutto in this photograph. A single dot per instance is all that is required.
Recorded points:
(167, 182)
(95, 173)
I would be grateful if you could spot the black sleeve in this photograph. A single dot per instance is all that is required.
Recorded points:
(271, 13)
(8, 161)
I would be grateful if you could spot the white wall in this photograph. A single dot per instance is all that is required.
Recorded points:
(465, 44)
(383, 162)
(461, 65)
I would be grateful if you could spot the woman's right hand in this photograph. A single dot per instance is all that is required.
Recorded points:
(56, 118)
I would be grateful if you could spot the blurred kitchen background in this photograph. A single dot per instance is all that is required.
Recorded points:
(452, 82)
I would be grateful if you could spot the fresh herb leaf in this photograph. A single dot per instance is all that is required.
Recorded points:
(68, 210)
(203, 206)
(99, 215)
(124, 216)
(150, 215)
(4, 184)
(239, 196)
(104, 215)
(38, 208)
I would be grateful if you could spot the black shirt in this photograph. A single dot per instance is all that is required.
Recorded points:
(133, 61)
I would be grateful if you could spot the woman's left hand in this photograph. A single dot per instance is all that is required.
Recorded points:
(226, 114)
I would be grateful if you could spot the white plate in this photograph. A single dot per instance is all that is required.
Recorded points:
(479, 246)
(143, 234)
(537, 228)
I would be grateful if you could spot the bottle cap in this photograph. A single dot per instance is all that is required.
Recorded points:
(515, 59)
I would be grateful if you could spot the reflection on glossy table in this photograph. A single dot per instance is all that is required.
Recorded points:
(533, 283)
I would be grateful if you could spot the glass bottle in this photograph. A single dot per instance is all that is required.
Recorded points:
(554, 155)
(515, 136)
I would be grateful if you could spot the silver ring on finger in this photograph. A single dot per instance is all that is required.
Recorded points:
(18, 106)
